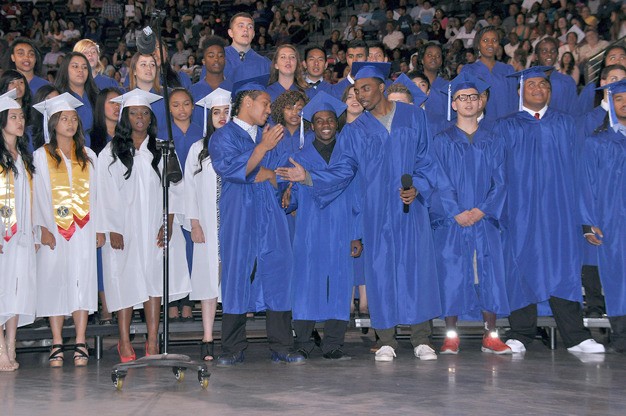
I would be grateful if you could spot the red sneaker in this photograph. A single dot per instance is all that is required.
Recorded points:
(450, 345)
(493, 344)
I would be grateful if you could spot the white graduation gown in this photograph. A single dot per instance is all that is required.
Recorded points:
(18, 270)
(133, 208)
(67, 279)
(201, 204)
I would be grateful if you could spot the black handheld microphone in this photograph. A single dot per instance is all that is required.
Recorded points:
(407, 183)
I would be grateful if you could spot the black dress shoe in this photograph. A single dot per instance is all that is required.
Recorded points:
(229, 360)
(338, 355)
(306, 354)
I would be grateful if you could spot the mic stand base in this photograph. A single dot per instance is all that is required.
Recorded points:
(177, 362)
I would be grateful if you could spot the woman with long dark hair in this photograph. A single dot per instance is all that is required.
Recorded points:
(105, 118)
(12, 79)
(91, 50)
(36, 125)
(64, 208)
(130, 177)
(201, 191)
(17, 248)
(75, 77)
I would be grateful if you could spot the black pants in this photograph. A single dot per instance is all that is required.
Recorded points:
(334, 335)
(277, 325)
(618, 334)
(567, 314)
(420, 334)
(594, 300)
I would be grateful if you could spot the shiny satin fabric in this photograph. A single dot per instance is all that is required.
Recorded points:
(253, 231)
(70, 201)
(541, 221)
(470, 176)
(398, 248)
(322, 274)
(503, 99)
(8, 214)
(603, 204)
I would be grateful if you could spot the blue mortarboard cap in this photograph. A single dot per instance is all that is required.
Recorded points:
(532, 72)
(323, 102)
(418, 95)
(616, 87)
(463, 81)
(320, 102)
(378, 70)
(247, 77)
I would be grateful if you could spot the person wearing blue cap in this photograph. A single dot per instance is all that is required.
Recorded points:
(604, 183)
(387, 149)
(240, 53)
(406, 91)
(17, 244)
(494, 73)
(594, 120)
(540, 220)
(564, 93)
(324, 240)
(254, 237)
(465, 214)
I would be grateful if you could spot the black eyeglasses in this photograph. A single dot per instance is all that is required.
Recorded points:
(465, 97)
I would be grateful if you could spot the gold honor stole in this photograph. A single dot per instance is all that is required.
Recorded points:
(70, 202)
(7, 202)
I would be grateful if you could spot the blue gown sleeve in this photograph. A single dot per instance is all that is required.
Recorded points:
(229, 160)
(494, 203)
(589, 182)
(447, 193)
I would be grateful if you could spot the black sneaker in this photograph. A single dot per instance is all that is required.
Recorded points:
(337, 354)
(229, 360)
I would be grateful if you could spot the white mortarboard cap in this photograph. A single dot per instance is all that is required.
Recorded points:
(136, 97)
(63, 102)
(218, 97)
(7, 101)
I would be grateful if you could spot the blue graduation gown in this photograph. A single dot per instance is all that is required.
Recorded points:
(102, 82)
(586, 98)
(322, 274)
(275, 89)
(399, 252)
(251, 59)
(253, 226)
(564, 97)
(337, 90)
(436, 107)
(182, 141)
(85, 112)
(322, 86)
(593, 119)
(602, 201)
(540, 224)
(36, 83)
(503, 98)
(470, 176)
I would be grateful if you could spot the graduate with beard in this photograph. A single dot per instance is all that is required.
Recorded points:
(389, 140)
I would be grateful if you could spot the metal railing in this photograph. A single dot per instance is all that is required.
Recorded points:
(595, 63)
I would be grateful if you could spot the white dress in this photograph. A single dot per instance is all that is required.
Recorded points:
(18, 265)
(133, 208)
(67, 279)
(201, 204)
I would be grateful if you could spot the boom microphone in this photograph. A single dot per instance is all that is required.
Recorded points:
(146, 42)
(407, 183)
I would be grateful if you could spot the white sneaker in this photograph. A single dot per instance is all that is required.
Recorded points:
(385, 353)
(424, 352)
(588, 346)
(516, 346)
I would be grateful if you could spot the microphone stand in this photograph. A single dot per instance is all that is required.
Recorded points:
(171, 173)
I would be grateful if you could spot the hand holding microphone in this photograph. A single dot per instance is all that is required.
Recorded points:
(407, 192)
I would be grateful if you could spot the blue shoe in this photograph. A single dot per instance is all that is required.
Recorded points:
(293, 358)
(229, 360)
